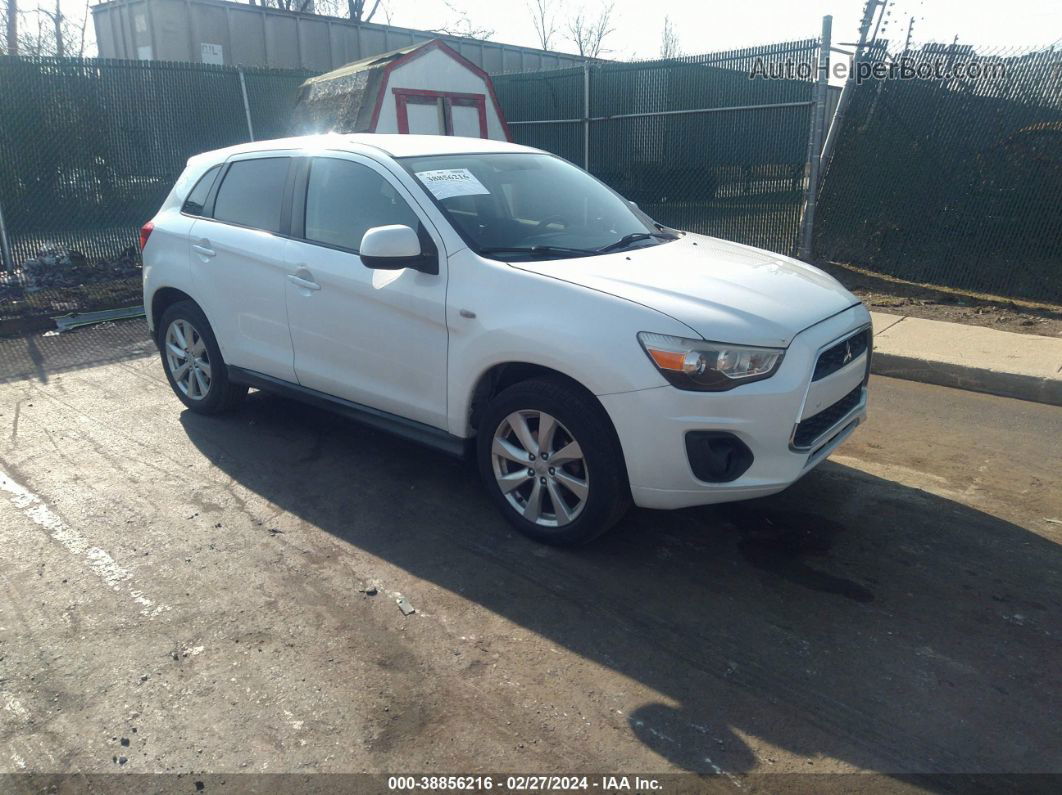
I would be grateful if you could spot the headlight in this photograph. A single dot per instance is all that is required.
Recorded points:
(708, 366)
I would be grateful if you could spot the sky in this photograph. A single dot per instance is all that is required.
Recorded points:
(712, 25)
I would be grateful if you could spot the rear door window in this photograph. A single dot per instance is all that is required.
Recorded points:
(252, 193)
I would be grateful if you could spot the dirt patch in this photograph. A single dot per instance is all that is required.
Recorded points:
(58, 281)
(884, 294)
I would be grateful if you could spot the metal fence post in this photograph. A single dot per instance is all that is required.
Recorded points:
(815, 135)
(869, 10)
(246, 104)
(586, 115)
(7, 262)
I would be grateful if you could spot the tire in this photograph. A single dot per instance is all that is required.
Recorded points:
(193, 328)
(593, 487)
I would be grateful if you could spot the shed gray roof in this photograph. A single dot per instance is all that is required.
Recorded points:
(343, 100)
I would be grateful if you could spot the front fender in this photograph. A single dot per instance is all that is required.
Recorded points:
(523, 317)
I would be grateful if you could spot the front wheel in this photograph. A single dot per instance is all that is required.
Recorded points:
(551, 462)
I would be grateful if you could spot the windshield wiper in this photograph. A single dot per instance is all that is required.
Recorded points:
(537, 250)
(626, 240)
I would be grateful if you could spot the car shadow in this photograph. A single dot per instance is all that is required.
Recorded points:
(849, 617)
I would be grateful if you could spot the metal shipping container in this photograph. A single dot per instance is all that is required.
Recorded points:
(235, 34)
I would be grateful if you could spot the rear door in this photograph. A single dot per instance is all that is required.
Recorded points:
(238, 263)
(374, 337)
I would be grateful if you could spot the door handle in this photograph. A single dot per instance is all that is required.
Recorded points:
(305, 284)
(203, 249)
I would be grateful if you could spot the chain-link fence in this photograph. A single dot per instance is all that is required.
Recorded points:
(695, 141)
(954, 181)
(88, 151)
(952, 174)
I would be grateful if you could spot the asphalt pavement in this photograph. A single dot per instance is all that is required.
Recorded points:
(191, 594)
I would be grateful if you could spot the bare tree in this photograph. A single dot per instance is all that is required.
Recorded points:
(301, 6)
(11, 24)
(43, 31)
(669, 41)
(57, 19)
(544, 18)
(356, 9)
(588, 33)
(462, 25)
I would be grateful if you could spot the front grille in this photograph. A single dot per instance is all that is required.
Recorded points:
(833, 359)
(814, 426)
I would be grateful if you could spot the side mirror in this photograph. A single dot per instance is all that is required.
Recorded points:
(395, 247)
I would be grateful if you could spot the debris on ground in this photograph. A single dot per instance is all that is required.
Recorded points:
(405, 606)
(366, 587)
(59, 280)
(103, 319)
(882, 293)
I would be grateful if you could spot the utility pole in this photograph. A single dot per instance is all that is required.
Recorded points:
(12, 27)
(869, 11)
(818, 122)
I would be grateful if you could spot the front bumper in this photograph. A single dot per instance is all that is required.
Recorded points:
(765, 415)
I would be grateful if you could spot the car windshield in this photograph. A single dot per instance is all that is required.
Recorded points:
(531, 206)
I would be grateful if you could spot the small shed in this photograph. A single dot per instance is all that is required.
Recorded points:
(426, 89)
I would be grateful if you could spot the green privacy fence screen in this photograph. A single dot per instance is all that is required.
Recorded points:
(955, 180)
(88, 151)
(696, 142)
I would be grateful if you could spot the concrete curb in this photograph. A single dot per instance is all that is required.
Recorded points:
(1023, 366)
(973, 379)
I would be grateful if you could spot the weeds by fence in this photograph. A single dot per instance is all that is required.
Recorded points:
(88, 151)
(954, 181)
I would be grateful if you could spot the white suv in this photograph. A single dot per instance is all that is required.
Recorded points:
(480, 296)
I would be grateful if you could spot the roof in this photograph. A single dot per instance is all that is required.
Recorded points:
(393, 145)
(413, 145)
(380, 59)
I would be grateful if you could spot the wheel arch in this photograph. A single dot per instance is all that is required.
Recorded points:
(163, 299)
(502, 375)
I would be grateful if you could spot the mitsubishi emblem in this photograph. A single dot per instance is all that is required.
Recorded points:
(847, 352)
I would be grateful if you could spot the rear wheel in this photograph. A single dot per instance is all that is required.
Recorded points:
(193, 362)
(551, 461)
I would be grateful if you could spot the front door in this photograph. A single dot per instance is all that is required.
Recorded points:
(374, 337)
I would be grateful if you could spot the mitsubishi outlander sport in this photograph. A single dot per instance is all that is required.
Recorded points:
(477, 295)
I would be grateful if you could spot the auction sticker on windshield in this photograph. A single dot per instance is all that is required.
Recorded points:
(447, 182)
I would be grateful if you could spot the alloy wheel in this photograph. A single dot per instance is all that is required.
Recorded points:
(188, 359)
(540, 468)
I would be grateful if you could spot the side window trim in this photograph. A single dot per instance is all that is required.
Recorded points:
(301, 180)
(285, 201)
(208, 205)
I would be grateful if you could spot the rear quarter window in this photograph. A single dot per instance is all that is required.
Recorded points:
(252, 193)
(196, 201)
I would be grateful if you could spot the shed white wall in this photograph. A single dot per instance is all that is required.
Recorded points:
(436, 71)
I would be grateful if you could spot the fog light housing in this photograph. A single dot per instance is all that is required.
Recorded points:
(717, 456)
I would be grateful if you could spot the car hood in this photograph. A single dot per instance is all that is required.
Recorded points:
(726, 292)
